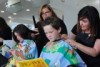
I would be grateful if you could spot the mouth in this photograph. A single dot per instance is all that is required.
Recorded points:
(82, 26)
(49, 38)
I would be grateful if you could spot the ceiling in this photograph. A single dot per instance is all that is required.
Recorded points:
(29, 8)
(25, 16)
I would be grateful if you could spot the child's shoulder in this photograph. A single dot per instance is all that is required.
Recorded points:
(64, 43)
(27, 42)
(60, 42)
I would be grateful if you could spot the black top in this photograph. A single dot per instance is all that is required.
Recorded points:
(87, 40)
(3, 60)
(6, 34)
(42, 39)
(64, 28)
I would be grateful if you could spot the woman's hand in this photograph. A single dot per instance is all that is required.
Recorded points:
(12, 52)
(72, 43)
(92, 51)
(64, 36)
(17, 53)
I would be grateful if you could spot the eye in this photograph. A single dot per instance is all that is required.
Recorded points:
(84, 21)
(43, 13)
(45, 32)
(51, 32)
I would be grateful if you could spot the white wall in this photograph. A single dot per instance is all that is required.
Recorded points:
(70, 9)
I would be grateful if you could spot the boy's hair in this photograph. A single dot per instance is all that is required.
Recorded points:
(54, 22)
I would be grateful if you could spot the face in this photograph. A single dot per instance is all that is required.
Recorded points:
(51, 33)
(19, 38)
(85, 25)
(46, 13)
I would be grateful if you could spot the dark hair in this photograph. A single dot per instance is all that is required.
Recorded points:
(5, 30)
(49, 8)
(54, 22)
(92, 14)
(23, 31)
(3, 24)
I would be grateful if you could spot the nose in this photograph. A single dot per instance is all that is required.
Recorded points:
(45, 16)
(48, 35)
(81, 23)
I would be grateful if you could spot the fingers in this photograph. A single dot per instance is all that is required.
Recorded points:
(68, 41)
(17, 53)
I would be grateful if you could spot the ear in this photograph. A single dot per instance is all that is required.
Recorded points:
(59, 30)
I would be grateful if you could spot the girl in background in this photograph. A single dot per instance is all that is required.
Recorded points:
(26, 47)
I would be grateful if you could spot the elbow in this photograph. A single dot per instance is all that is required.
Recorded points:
(94, 55)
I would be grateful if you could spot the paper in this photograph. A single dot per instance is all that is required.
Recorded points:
(39, 62)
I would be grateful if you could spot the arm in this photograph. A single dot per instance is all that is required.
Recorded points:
(72, 36)
(73, 33)
(31, 51)
(87, 50)
(90, 51)
(19, 53)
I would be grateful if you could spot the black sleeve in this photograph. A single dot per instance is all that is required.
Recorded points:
(41, 31)
(6, 34)
(64, 28)
(74, 30)
(98, 35)
(3, 60)
(41, 39)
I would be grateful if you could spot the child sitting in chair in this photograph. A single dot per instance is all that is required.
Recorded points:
(58, 53)
(25, 48)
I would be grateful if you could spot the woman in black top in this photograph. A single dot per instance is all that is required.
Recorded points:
(45, 12)
(5, 34)
(87, 36)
